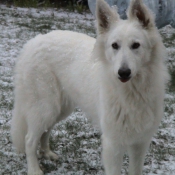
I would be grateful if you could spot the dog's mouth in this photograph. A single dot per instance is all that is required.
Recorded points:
(124, 80)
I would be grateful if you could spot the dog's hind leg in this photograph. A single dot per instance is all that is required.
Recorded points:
(40, 118)
(45, 148)
(136, 157)
(112, 157)
(31, 140)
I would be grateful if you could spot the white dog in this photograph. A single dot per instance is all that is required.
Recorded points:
(118, 79)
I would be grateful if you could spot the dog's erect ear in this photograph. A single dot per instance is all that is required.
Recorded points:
(140, 12)
(105, 16)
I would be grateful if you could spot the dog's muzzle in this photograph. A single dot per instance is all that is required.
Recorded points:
(124, 74)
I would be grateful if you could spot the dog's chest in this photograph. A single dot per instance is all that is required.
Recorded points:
(134, 117)
(129, 115)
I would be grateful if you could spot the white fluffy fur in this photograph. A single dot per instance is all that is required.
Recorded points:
(61, 70)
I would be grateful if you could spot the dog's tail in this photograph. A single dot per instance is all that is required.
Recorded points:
(18, 131)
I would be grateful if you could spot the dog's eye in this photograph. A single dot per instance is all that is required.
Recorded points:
(135, 45)
(115, 46)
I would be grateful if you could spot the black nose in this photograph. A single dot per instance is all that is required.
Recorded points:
(124, 73)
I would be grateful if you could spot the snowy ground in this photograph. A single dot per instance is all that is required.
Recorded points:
(75, 140)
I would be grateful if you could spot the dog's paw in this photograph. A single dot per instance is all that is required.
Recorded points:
(38, 172)
(50, 155)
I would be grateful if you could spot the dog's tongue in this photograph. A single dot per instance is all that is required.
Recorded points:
(124, 80)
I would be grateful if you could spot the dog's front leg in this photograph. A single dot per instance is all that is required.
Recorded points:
(136, 157)
(112, 156)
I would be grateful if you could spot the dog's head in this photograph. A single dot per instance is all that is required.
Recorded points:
(126, 45)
